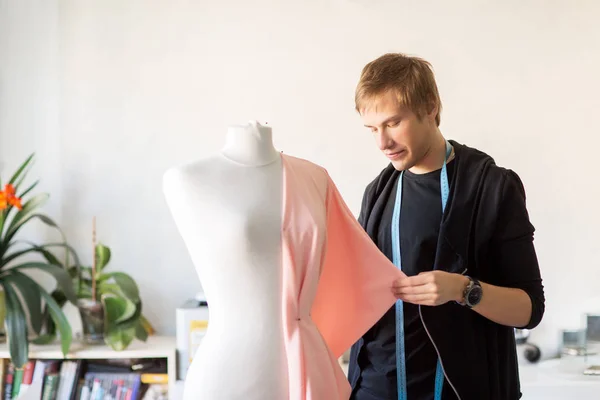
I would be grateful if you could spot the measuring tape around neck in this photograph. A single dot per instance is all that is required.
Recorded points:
(397, 259)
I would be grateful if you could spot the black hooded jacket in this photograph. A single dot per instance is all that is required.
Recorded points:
(486, 234)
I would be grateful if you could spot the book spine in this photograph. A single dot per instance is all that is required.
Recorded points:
(17, 380)
(50, 387)
(8, 385)
(28, 372)
(3, 367)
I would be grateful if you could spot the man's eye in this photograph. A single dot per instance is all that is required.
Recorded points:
(393, 124)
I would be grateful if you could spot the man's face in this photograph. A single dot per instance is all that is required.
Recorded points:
(398, 132)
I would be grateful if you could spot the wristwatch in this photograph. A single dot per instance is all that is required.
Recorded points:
(472, 293)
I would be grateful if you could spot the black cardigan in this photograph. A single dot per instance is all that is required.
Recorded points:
(485, 233)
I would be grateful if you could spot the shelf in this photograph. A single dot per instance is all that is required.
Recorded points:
(154, 347)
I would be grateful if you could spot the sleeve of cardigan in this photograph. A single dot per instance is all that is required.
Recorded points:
(354, 288)
(515, 260)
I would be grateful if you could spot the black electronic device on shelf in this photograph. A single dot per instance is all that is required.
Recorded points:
(532, 352)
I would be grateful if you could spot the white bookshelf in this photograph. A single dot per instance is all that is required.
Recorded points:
(154, 347)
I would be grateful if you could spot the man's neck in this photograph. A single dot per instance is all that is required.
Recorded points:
(433, 158)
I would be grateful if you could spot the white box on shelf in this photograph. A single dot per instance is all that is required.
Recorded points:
(191, 325)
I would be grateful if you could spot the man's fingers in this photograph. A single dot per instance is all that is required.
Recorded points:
(423, 298)
(417, 280)
(423, 278)
(420, 289)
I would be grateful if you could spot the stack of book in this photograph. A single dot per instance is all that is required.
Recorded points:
(79, 380)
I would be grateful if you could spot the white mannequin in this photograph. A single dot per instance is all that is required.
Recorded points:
(228, 211)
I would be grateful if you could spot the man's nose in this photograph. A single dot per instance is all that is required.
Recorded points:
(383, 140)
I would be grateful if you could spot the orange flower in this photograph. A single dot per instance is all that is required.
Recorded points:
(7, 197)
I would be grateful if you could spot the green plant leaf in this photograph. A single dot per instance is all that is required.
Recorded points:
(32, 249)
(25, 215)
(72, 271)
(69, 251)
(20, 170)
(21, 218)
(132, 321)
(3, 215)
(106, 288)
(81, 283)
(47, 220)
(63, 279)
(48, 323)
(53, 317)
(26, 191)
(46, 338)
(31, 294)
(140, 331)
(59, 297)
(126, 283)
(84, 288)
(59, 318)
(146, 324)
(102, 257)
(121, 308)
(114, 307)
(16, 325)
(85, 293)
(19, 182)
(43, 250)
(50, 222)
(85, 273)
(51, 258)
(117, 337)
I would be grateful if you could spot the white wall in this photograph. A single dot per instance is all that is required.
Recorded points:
(111, 93)
(30, 103)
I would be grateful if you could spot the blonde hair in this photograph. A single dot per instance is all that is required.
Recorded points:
(410, 78)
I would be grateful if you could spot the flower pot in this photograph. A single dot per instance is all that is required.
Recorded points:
(92, 321)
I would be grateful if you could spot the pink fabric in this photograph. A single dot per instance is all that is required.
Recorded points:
(337, 283)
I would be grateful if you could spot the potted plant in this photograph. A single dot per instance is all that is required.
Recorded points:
(109, 303)
(23, 296)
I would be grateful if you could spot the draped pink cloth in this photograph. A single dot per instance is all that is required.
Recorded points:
(337, 283)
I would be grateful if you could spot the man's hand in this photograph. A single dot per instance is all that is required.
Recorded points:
(505, 306)
(431, 288)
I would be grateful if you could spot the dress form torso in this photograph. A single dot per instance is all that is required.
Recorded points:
(228, 211)
(291, 278)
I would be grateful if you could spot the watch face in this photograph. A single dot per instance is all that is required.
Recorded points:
(474, 296)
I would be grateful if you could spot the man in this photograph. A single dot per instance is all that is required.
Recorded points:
(466, 246)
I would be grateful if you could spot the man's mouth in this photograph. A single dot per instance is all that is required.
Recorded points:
(395, 155)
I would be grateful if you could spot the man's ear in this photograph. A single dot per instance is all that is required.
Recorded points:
(432, 111)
